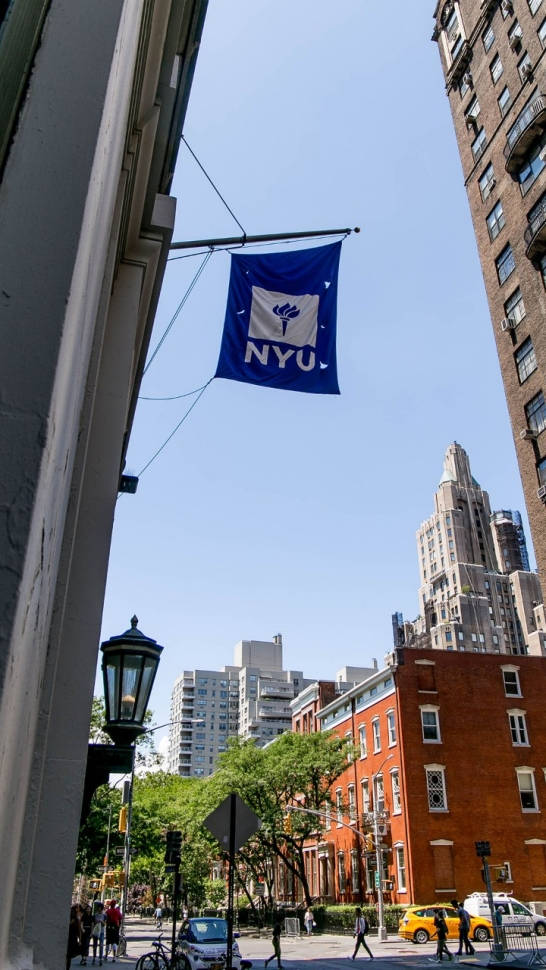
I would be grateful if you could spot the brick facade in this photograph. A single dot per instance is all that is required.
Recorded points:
(447, 755)
(484, 49)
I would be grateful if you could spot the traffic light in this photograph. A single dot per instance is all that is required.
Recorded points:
(122, 823)
(173, 848)
(287, 824)
(368, 842)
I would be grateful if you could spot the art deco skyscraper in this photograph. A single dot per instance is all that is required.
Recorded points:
(493, 57)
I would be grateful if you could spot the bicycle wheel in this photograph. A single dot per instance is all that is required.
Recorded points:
(122, 945)
(151, 961)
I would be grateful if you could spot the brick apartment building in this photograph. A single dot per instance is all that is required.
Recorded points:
(493, 57)
(451, 746)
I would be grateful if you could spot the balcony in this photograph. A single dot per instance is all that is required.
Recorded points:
(530, 124)
(277, 690)
(535, 234)
(278, 713)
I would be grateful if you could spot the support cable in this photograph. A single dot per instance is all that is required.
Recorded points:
(173, 432)
(218, 193)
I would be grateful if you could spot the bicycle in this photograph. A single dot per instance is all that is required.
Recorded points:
(161, 958)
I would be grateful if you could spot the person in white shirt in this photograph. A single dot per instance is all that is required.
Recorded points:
(361, 928)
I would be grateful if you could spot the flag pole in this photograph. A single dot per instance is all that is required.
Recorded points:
(266, 237)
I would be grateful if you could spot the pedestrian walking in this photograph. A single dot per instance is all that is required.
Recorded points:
(73, 946)
(97, 932)
(309, 920)
(360, 930)
(158, 918)
(86, 921)
(113, 923)
(441, 935)
(464, 928)
(276, 940)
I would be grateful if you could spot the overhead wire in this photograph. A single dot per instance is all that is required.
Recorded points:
(175, 429)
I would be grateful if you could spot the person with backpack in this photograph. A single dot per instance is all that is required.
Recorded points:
(464, 928)
(360, 930)
(441, 935)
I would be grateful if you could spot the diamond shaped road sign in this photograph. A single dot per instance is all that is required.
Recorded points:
(246, 822)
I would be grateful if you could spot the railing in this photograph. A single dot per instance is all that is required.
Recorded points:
(525, 119)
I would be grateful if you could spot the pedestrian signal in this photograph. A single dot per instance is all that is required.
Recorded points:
(287, 825)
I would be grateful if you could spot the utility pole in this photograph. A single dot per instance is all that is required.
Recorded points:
(483, 849)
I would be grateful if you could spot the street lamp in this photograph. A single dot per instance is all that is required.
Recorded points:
(381, 928)
(129, 666)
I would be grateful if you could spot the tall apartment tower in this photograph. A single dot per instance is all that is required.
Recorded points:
(493, 57)
(475, 594)
(250, 699)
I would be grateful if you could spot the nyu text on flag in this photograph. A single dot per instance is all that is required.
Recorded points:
(280, 325)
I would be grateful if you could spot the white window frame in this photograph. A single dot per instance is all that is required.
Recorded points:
(431, 709)
(376, 732)
(339, 806)
(378, 790)
(351, 796)
(395, 790)
(341, 874)
(355, 882)
(510, 669)
(391, 728)
(518, 728)
(400, 866)
(349, 739)
(365, 791)
(440, 771)
(363, 741)
(525, 770)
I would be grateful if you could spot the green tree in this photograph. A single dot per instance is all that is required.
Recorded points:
(297, 768)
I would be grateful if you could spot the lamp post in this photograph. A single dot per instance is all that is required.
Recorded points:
(381, 928)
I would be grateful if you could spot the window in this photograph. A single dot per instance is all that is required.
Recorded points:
(473, 110)
(401, 868)
(363, 744)
(495, 222)
(518, 728)
(464, 84)
(496, 69)
(505, 264)
(352, 803)
(339, 805)
(341, 872)
(365, 787)
(515, 307)
(526, 361)
(453, 35)
(354, 871)
(376, 731)
(487, 182)
(391, 728)
(479, 144)
(504, 101)
(515, 35)
(488, 38)
(506, 8)
(534, 5)
(535, 412)
(349, 740)
(541, 471)
(379, 794)
(436, 788)
(542, 33)
(524, 67)
(527, 791)
(430, 724)
(395, 785)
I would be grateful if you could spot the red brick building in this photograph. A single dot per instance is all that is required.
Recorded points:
(452, 746)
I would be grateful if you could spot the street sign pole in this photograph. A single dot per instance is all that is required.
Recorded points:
(231, 879)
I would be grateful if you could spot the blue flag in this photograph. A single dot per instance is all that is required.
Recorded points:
(280, 325)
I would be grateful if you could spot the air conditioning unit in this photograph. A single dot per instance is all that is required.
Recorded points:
(388, 885)
(507, 7)
(470, 121)
(527, 71)
(515, 41)
(541, 493)
(527, 434)
(508, 323)
(467, 78)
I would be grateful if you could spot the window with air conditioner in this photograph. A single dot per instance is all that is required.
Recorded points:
(524, 67)
(527, 791)
(514, 307)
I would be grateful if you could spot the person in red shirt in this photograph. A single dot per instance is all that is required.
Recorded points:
(113, 922)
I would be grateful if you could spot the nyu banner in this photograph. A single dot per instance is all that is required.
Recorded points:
(280, 325)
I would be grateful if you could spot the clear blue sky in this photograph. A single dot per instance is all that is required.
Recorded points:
(274, 511)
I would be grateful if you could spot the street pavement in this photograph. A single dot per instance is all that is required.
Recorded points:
(325, 951)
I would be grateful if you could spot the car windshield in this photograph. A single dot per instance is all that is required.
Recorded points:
(208, 930)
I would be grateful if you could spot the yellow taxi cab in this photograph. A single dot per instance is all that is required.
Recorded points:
(417, 924)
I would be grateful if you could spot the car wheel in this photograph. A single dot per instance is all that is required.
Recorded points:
(481, 934)
(420, 936)
(540, 929)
